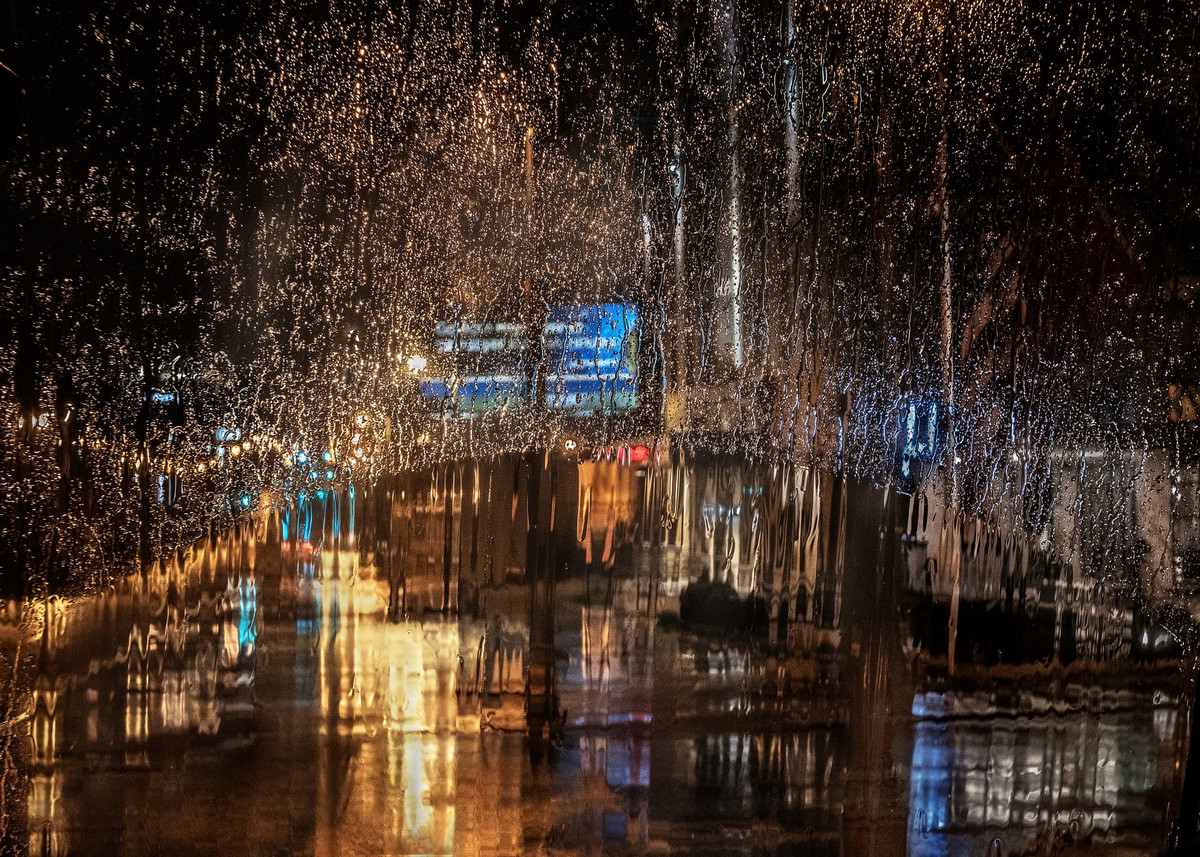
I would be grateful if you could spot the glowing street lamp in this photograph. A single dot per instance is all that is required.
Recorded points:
(416, 364)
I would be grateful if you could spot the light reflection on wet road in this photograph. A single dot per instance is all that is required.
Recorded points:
(298, 688)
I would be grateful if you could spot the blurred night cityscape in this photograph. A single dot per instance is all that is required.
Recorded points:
(693, 427)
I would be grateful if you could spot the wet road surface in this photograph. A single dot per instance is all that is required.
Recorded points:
(540, 656)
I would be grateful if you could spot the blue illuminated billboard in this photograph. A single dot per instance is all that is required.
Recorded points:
(589, 353)
(592, 352)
